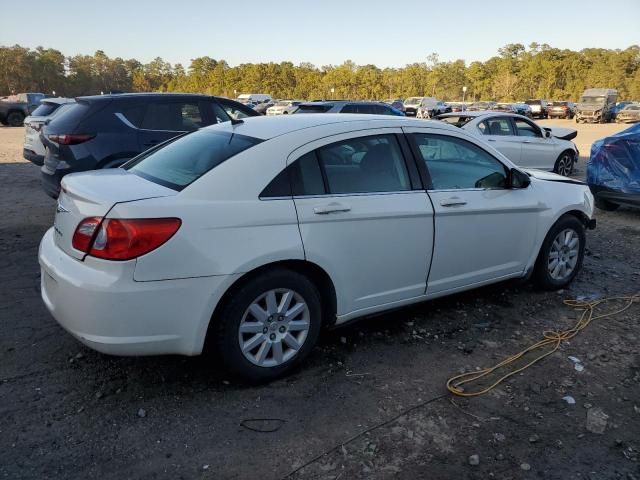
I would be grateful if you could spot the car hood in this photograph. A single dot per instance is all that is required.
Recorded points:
(551, 177)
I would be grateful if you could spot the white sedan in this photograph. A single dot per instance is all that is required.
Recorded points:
(284, 107)
(250, 237)
(523, 141)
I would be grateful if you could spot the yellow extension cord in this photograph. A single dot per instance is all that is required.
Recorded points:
(551, 337)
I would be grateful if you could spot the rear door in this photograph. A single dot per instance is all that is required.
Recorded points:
(499, 133)
(364, 217)
(484, 231)
(538, 150)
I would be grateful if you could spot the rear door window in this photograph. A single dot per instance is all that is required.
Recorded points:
(321, 108)
(187, 158)
(496, 126)
(172, 116)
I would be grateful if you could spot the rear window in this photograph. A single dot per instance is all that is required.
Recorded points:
(69, 118)
(185, 159)
(45, 109)
(313, 108)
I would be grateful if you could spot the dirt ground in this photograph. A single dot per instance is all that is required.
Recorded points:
(67, 412)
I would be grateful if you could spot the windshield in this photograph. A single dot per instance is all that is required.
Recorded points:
(413, 101)
(187, 158)
(45, 109)
(593, 99)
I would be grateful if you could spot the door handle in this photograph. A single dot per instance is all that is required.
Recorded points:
(452, 202)
(526, 141)
(491, 139)
(333, 207)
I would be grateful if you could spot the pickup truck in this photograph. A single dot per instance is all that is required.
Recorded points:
(15, 108)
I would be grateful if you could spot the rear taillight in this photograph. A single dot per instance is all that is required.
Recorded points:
(121, 239)
(70, 139)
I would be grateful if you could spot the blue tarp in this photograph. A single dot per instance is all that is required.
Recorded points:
(615, 161)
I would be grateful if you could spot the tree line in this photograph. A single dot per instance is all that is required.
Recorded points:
(515, 73)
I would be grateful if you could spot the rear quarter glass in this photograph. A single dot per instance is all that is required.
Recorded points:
(74, 119)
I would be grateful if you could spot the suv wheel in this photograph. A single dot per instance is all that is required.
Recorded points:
(269, 325)
(561, 254)
(15, 119)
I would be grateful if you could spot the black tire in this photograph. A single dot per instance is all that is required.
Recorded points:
(541, 277)
(15, 119)
(566, 158)
(606, 205)
(228, 324)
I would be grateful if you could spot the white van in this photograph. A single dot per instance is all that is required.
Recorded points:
(254, 98)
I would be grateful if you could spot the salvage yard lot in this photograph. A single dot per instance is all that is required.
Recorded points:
(68, 412)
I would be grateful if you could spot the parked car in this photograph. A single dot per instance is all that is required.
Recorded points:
(523, 109)
(105, 131)
(413, 104)
(397, 103)
(560, 110)
(347, 106)
(619, 106)
(254, 98)
(521, 140)
(262, 108)
(15, 108)
(538, 108)
(284, 107)
(613, 169)
(429, 111)
(480, 106)
(596, 105)
(504, 107)
(33, 149)
(629, 114)
(250, 238)
(455, 106)
(237, 110)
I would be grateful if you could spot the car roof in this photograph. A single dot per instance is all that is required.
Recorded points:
(113, 96)
(336, 102)
(264, 127)
(481, 113)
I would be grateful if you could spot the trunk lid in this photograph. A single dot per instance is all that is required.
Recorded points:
(93, 194)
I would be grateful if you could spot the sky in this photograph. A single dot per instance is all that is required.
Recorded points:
(323, 32)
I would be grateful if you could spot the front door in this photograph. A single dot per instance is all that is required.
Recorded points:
(484, 230)
(498, 132)
(363, 218)
(538, 150)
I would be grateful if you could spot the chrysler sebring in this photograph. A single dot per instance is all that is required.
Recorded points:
(249, 237)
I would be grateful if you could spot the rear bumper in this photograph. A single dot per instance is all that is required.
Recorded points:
(50, 181)
(100, 304)
(33, 157)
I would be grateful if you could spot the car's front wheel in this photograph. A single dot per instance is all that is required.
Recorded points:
(561, 254)
(269, 325)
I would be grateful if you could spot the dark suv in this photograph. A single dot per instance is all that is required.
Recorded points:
(107, 130)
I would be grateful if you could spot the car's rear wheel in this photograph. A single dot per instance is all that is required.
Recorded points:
(269, 325)
(564, 164)
(15, 119)
(561, 254)
(606, 205)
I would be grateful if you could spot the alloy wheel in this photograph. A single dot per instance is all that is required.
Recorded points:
(274, 327)
(564, 165)
(563, 255)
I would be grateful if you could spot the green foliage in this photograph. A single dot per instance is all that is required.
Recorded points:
(516, 73)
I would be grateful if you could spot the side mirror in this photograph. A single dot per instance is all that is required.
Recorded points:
(519, 179)
(547, 133)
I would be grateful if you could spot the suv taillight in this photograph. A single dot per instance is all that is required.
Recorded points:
(123, 239)
(70, 139)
